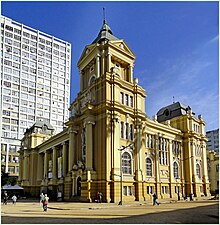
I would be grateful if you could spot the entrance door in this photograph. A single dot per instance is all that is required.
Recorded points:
(79, 186)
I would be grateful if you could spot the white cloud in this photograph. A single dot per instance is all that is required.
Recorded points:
(216, 38)
(186, 78)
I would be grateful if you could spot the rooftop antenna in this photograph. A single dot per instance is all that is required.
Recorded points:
(104, 15)
(173, 99)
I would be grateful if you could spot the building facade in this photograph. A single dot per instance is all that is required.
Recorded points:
(213, 171)
(110, 145)
(213, 140)
(35, 85)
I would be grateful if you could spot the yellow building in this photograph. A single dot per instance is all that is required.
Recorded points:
(213, 171)
(110, 145)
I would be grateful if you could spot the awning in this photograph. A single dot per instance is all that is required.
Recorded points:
(10, 187)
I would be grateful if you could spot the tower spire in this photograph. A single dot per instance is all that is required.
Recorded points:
(104, 18)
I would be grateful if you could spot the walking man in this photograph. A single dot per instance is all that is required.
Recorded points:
(45, 202)
(155, 199)
(14, 199)
(41, 198)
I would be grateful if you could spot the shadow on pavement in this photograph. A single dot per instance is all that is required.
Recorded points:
(199, 215)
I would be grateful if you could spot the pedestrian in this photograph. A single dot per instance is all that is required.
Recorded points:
(14, 199)
(5, 198)
(41, 198)
(97, 196)
(191, 197)
(45, 203)
(100, 197)
(155, 199)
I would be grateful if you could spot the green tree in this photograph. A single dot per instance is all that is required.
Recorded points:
(6, 179)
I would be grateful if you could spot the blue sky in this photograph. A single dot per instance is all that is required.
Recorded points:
(175, 43)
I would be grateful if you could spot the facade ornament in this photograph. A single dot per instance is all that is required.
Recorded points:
(154, 118)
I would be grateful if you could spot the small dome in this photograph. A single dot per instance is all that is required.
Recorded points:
(105, 34)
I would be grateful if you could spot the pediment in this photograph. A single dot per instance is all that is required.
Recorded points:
(120, 44)
(86, 51)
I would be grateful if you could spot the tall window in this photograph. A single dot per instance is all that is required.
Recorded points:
(176, 147)
(122, 98)
(122, 129)
(150, 189)
(164, 189)
(148, 167)
(163, 151)
(217, 168)
(127, 190)
(198, 170)
(149, 141)
(175, 170)
(126, 99)
(131, 132)
(126, 163)
(208, 167)
(126, 130)
(131, 101)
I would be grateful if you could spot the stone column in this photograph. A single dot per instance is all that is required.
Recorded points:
(40, 167)
(45, 165)
(89, 144)
(98, 65)
(6, 158)
(81, 80)
(205, 170)
(157, 167)
(54, 170)
(71, 159)
(64, 154)
(139, 162)
(170, 150)
(109, 56)
(193, 161)
(25, 167)
(21, 162)
(131, 73)
(103, 62)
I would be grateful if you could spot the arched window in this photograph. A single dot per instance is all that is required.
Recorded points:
(148, 167)
(198, 170)
(175, 170)
(126, 163)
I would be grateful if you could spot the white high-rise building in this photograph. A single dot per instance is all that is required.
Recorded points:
(213, 140)
(35, 85)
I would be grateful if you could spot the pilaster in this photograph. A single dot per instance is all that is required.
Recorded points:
(109, 56)
(40, 167)
(193, 161)
(45, 165)
(71, 159)
(98, 65)
(54, 169)
(64, 154)
(139, 162)
(89, 144)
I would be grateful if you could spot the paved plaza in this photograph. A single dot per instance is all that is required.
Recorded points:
(197, 212)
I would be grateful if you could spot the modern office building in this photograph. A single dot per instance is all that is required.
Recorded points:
(213, 140)
(35, 85)
(110, 145)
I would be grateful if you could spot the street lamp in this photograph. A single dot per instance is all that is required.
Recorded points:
(121, 173)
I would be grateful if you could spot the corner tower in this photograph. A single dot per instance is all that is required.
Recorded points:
(108, 107)
(105, 53)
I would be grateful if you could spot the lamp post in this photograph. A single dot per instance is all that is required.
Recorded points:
(121, 172)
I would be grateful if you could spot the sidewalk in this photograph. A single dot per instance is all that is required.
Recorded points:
(129, 212)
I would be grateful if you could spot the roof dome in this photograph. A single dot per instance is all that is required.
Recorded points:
(171, 111)
(105, 34)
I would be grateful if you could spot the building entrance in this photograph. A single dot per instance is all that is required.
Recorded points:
(79, 186)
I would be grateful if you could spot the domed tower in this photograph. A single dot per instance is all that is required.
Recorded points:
(105, 113)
